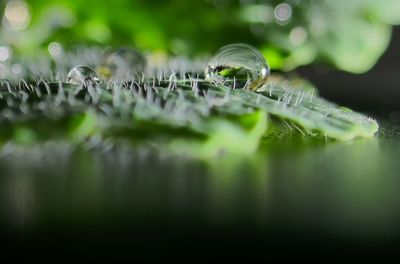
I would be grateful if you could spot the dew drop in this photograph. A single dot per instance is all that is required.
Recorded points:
(82, 75)
(239, 66)
(122, 63)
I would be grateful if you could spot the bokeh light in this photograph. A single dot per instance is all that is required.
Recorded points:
(16, 15)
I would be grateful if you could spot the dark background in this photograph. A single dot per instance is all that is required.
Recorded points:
(377, 90)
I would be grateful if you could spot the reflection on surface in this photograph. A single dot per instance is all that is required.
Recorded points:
(341, 189)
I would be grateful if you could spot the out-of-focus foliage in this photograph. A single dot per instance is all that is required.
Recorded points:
(350, 35)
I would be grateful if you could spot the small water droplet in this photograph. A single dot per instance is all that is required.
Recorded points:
(240, 66)
(82, 75)
(123, 63)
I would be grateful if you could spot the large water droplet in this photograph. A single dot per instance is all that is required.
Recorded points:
(123, 63)
(82, 75)
(240, 66)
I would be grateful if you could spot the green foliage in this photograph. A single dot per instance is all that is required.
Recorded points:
(187, 116)
(351, 35)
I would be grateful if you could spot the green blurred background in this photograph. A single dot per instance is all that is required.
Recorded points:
(348, 35)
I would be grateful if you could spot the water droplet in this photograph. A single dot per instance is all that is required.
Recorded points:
(82, 75)
(240, 66)
(123, 63)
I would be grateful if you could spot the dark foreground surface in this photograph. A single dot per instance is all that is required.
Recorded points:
(294, 197)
